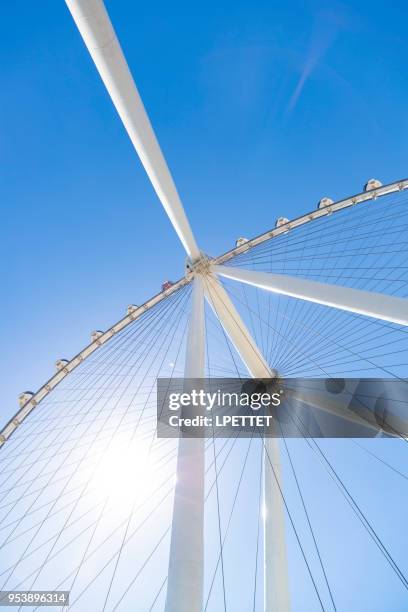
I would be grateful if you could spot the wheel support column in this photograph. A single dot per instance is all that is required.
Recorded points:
(186, 564)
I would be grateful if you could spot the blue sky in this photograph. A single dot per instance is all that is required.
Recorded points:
(260, 108)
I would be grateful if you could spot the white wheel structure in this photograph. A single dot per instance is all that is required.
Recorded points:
(93, 503)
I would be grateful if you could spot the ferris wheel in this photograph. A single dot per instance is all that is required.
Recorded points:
(93, 503)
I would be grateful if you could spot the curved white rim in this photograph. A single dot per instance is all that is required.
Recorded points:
(45, 389)
(311, 216)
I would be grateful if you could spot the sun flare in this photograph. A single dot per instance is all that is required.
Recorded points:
(125, 474)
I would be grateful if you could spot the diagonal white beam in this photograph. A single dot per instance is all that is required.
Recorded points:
(377, 305)
(236, 329)
(186, 562)
(276, 586)
(99, 36)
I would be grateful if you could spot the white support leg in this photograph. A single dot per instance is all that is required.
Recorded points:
(276, 587)
(377, 305)
(186, 564)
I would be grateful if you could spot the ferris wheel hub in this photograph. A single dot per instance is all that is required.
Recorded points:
(199, 266)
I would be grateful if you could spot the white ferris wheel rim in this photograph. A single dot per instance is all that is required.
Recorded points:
(36, 398)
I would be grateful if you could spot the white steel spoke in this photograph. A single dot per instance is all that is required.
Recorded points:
(99, 36)
(186, 565)
(377, 305)
(236, 329)
(276, 587)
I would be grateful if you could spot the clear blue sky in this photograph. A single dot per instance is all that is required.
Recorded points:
(261, 109)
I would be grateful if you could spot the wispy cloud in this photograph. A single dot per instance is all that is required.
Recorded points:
(325, 31)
